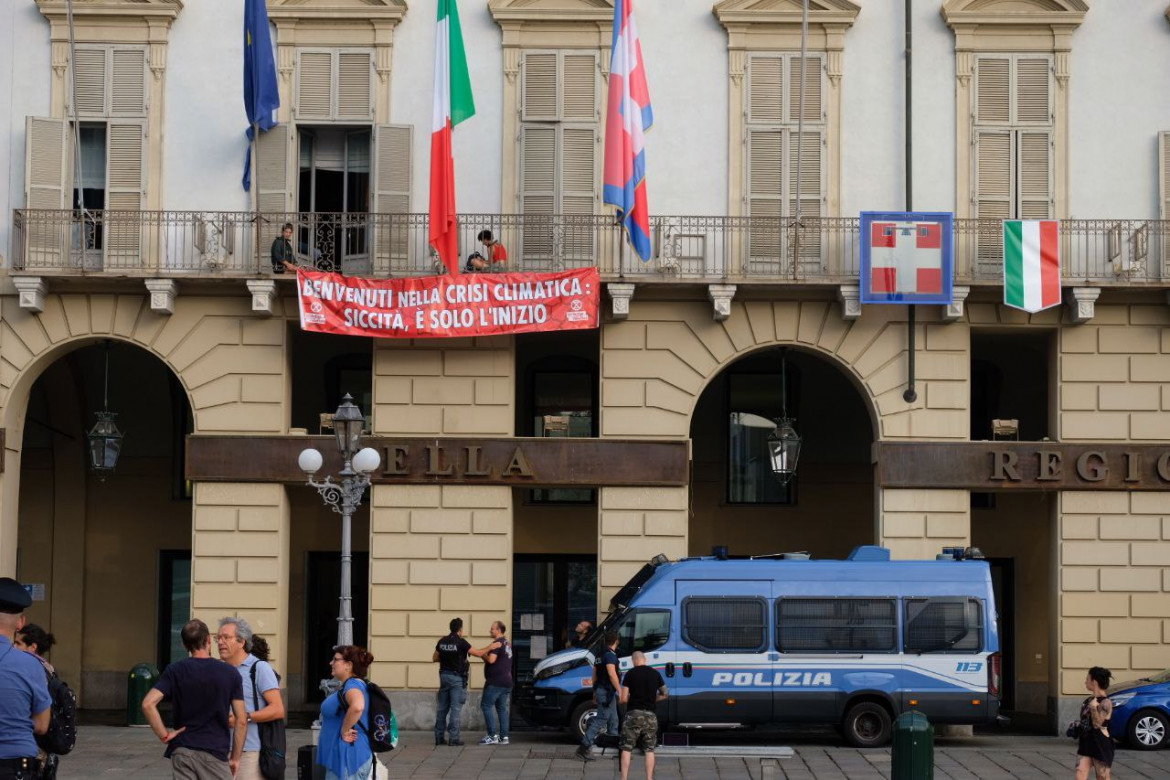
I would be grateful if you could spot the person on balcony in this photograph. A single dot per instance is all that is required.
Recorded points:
(494, 258)
(283, 258)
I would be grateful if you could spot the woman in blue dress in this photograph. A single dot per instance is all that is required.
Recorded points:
(344, 747)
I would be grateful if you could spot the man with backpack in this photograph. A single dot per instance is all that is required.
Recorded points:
(24, 695)
(261, 686)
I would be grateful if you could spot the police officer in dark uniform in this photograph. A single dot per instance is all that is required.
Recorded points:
(451, 656)
(24, 694)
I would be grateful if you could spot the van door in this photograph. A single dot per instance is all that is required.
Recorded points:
(722, 672)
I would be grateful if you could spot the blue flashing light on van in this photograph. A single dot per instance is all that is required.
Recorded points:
(745, 642)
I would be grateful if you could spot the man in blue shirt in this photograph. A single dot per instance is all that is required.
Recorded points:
(606, 686)
(202, 690)
(24, 694)
(263, 703)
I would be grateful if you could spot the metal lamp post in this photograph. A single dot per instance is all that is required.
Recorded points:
(345, 495)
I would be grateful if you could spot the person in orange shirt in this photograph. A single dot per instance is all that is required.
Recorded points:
(495, 257)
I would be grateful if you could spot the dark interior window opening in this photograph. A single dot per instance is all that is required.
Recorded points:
(558, 397)
(333, 197)
(325, 367)
(1010, 381)
(754, 387)
(89, 191)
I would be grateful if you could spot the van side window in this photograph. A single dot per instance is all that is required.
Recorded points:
(722, 625)
(944, 625)
(644, 630)
(817, 625)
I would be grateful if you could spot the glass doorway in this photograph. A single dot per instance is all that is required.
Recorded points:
(333, 197)
(174, 604)
(551, 594)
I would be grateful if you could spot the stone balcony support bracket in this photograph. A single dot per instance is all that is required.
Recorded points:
(721, 295)
(620, 293)
(954, 311)
(32, 291)
(850, 297)
(1083, 303)
(263, 295)
(162, 295)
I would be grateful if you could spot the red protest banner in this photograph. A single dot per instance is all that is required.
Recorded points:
(448, 306)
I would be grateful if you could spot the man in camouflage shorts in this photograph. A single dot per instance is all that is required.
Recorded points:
(642, 688)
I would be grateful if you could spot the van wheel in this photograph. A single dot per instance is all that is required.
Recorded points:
(1148, 730)
(579, 720)
(867, 725)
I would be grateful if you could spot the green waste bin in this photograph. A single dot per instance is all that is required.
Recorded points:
(913, 753)
(138, 683)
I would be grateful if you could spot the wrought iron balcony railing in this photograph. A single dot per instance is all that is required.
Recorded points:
(693, 249)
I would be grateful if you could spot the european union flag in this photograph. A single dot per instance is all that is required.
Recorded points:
(261, 94)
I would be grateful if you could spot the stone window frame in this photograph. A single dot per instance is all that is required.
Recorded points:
(1039, 29)
(754, 27)
(544, 25)
(142, 24)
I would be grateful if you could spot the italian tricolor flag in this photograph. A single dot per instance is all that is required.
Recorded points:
(1031, 264)
(453, 104)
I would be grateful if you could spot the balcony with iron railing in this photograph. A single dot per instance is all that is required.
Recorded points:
(691, 249)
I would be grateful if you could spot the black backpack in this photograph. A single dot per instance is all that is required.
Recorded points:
(383, 733)
(62, 733)
(273, 743)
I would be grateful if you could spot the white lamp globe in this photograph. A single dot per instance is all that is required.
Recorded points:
(310, 461)
(367, 460)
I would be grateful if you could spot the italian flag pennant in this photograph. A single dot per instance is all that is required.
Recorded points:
(1031, 264)
(453, 103)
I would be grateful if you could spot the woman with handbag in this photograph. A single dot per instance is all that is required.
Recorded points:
(1094, 744)
(344, 745)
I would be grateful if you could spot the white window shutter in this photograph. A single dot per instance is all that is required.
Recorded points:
(765, 175)
(579, 89)
(994, 191)
(46, 181)
(125, 192)
(813, 89)
(1164, 174)
(765, 89)
(393, 145)
(993, 90)
(1034, 162)
(538, 187)
(128, 86)
(578, 189)
(539, 86)
(355, 95)
(91, 66)
(1033, 90)
(271, 180)
(314, 84)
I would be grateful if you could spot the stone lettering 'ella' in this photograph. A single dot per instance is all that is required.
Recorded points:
(772, 679)
(455, 463)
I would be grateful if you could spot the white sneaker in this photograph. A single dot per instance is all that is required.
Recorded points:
(490, 740)
(503, 741)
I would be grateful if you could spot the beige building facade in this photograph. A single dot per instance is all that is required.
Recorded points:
(173, 320)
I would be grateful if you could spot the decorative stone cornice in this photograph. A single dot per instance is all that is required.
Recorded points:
(820, 12)
(371, 11)
(620, 293)
(162, 295)
(1024, 25)
(31, 292)
(721, 296)
(554, 11)
(576, 24)
(1083, 303)
(111, 21)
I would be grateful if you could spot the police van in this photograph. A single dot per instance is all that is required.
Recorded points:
(784, 639)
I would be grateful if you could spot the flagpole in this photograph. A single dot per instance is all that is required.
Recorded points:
(256, 188)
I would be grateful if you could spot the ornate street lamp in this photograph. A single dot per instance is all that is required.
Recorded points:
(345, 495)
(783, 441)
(105, 440)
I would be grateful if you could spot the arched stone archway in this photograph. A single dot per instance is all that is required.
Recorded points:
(657, 363)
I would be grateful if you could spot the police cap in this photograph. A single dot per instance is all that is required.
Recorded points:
(14, 599)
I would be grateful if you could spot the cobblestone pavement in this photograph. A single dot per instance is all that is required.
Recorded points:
(107, 751)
